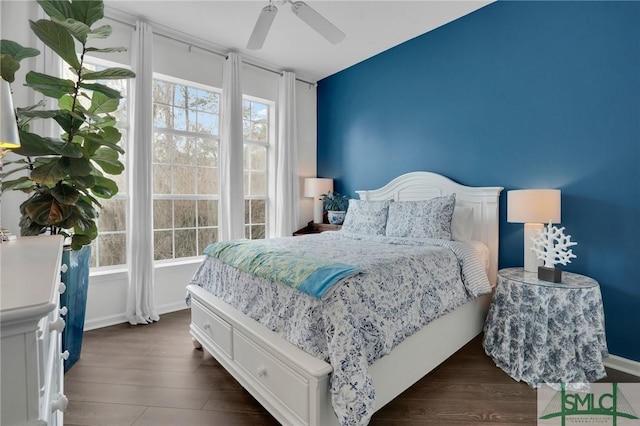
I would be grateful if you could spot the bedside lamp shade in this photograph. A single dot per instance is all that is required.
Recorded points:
(314, 188)
(9, 138)
(534, 208)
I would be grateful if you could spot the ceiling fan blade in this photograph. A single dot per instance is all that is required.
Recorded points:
(259, 34)
(318, 22)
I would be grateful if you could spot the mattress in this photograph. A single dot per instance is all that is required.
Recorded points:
(404, 284)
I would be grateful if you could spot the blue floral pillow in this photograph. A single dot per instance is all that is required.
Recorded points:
(421, 219)
(366, 217)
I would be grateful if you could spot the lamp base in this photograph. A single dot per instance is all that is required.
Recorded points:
(553, 275)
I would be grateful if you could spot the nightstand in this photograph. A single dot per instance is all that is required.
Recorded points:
(316, 228)
(543, 332)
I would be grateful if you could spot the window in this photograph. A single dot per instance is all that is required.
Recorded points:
(185, 167)
(256, 116)
(110, 248)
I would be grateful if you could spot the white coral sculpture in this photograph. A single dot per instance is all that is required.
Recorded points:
(551, 246)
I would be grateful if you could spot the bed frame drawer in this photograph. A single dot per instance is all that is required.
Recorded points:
(281, 381)
(214, 327)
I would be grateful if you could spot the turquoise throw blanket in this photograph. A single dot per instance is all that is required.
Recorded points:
(309, 275)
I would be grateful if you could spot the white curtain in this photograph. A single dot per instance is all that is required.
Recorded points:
(231, 203)
(140, 298)
(287, 181)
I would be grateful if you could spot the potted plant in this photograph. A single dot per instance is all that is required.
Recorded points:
(66, 176)
(336, 206)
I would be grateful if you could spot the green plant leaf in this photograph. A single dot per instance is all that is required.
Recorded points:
(94, 141)
(33, 145)
(101, 103)
(30, 228)
(76, 28)
(39, 113)
(58, 39)
(106, 49)
(43, 209)
(104, 187)
(107, 159)
(77, 166)
(88, 11)
(65, 193)
(16, 50)
(23, 183)
(8, 67)
(70, 122)
(103, 31)
(114, 73)
(59, 9)
(48, 170)
(49, 86)
(106, 90)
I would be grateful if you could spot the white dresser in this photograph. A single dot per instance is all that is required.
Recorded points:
(31, 326)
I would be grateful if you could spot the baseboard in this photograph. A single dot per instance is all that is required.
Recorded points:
(121, 318)
(622, 364)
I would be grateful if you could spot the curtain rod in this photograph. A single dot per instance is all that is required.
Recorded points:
(221, 54)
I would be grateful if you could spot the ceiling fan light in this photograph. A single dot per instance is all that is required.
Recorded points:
(259, 34)
(318, 22)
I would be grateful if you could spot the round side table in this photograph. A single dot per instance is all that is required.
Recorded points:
(543, 332)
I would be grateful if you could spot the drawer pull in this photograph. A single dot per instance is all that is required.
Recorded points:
(61, 287)
(262, 372)
(57, 325)
(206, 326)
(64, 268)
(63, 311)
(65, 355)
(60, 403)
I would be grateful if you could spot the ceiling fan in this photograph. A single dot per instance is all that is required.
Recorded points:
(303, 11)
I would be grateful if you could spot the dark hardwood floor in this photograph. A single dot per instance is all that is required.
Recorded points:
(152, 375)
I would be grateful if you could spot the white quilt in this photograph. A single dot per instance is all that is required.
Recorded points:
(404, 285)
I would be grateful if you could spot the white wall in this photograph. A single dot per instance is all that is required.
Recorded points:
(108, 289)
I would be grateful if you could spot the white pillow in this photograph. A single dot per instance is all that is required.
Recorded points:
(462, 223)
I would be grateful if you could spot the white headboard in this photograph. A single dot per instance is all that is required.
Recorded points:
(425, 185)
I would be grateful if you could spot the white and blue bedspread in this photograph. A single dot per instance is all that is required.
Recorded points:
(404, 284)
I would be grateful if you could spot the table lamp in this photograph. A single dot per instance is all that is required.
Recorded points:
(534, 208)
(9, 137)
(314, 188)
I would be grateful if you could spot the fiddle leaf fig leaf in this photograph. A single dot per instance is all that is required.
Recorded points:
(8, 67)
(107, 159)
(76, 28)
(48, 170)
(16, 50)
(48, 85)
(114, 73)
(103, 31)
(32, 145)
(65, 193)
(104, 187)
(88, 11)
(58, 39)
(43, 209)
(101, 103)
(106, 49)
(56, 8)
(106, 90)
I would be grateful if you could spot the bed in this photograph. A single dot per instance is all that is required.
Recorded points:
(296, 386)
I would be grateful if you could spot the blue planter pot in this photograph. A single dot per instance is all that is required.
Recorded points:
(76, 280)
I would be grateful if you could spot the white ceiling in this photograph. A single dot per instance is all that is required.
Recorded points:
(371, 27)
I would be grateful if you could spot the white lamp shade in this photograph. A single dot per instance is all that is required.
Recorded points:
(314, 187)
(533, 206)
(9, 137)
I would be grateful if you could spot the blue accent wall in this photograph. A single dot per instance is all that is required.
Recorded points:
(520, 95)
